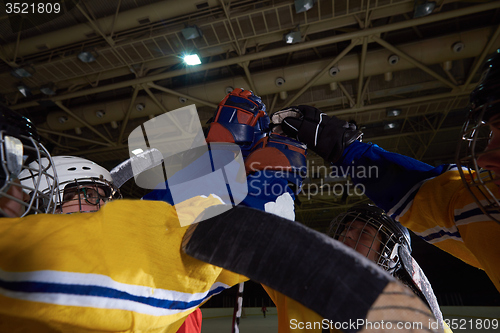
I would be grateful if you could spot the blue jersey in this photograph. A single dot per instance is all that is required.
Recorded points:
(262, 190)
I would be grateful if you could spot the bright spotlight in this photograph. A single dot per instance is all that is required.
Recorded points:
(192, 59)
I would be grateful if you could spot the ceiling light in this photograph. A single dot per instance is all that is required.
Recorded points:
(292, 37)
(21, 72)
(192, 59)
(334, 71)
(303, 5)
(389, 126)
(49, 89)
(458, 47)
(100, 113)
(87, 56)
(423, 8)
(191, 32)
(139, 107)
(279, 81)
(23, 89)
(393, 59)
(393, 112)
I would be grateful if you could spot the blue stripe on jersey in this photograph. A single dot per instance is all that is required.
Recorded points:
(474, 215)
(439, 234)
(467, 214)
(99, 291)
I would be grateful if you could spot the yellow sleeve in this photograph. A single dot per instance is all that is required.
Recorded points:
(444, 214)
(431, 215)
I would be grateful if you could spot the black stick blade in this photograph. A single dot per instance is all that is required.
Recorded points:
(308, 266)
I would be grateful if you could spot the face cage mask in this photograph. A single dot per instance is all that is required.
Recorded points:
(15, 158)
(89, 192)
(479, 182)
(368, 237)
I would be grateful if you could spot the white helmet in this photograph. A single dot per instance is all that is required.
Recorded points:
(76, 175)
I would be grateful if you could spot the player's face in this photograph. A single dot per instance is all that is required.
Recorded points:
(11, 207)
(83, 199)
(363, 238)
(490, 159)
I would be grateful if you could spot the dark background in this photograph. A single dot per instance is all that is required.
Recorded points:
(454, 282)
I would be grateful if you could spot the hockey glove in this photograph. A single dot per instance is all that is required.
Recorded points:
(326, 136)
(240, 118)
(283, 155)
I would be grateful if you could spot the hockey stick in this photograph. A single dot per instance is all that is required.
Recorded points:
(238, 305)
(310, 267)
(420, 282)
(141, 162)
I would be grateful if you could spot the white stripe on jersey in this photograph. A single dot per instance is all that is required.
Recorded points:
(100, 291)
(471, 213)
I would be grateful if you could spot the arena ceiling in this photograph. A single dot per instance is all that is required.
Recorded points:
(357, 59)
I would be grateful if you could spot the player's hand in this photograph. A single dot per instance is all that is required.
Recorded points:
(282, 154)
(240, 118)
(326, 136)
(245, 100)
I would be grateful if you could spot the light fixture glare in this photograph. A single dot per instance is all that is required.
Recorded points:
(393, 112)
(423, 8)
(21, 73)
(389, 126)
(49, 89)
(24, 90)
(293, 37)
(303, 5)
(192, 59)
(86, 56)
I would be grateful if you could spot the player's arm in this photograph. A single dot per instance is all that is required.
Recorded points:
(386, 177)
(389, 179)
